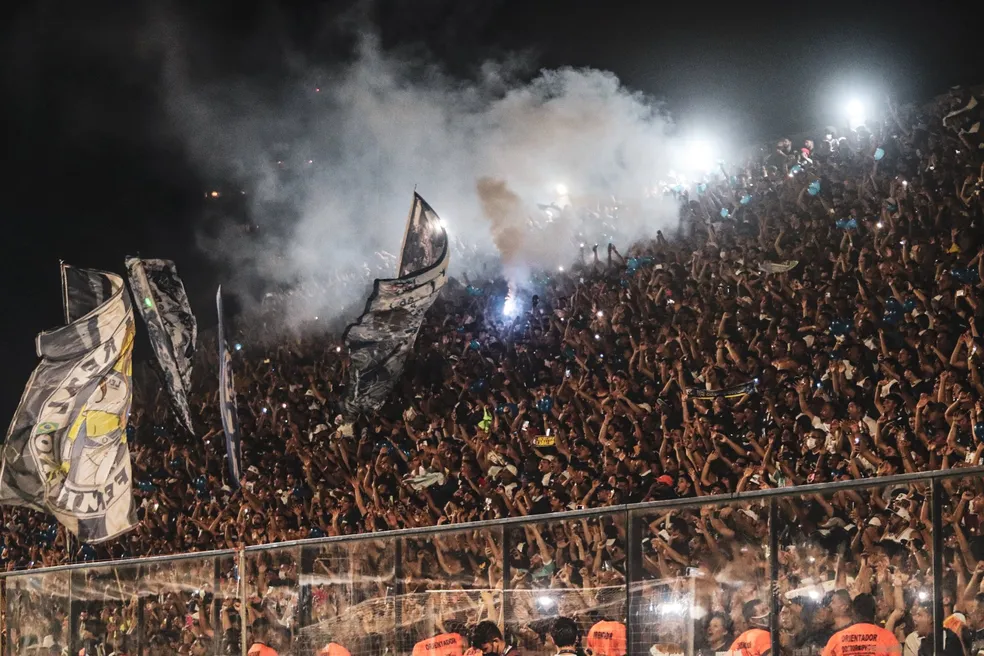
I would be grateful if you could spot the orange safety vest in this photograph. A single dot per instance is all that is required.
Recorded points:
(607, 639)
(446, 644)
(259, 649)
(753, 642)
(862, 640)
(334, 649)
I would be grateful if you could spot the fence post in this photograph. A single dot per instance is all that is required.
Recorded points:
(398, 590)
(141, 623)
(936, 489)
(506, 577)
(73, 614)
(5, 629)
(774, 574)
(304, 566)
(633, 562)
(243, 603)
(215, 612)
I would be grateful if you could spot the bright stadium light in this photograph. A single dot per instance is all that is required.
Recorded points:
(699, 156)
(855, 114)
(510, 307)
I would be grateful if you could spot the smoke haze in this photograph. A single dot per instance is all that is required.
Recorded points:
(328, 160)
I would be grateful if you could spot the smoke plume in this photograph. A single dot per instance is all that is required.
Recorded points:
(324, 164)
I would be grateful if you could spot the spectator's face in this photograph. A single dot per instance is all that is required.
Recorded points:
(716, 630)
(977, 615)
(922, 621)
(787, 619)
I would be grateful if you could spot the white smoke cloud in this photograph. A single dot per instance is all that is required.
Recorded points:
(331, 158)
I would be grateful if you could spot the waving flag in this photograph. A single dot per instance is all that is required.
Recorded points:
(173, 331)
(380, 340)
(728, 392)
(227, 400)
(66, 451)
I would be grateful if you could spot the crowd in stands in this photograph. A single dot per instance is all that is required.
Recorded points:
(836, 283)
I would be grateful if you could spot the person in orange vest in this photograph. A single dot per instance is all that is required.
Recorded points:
(755, 641)
(261, 636)
(445, 644)
(864, 637)
(607, 638)
(334, 649)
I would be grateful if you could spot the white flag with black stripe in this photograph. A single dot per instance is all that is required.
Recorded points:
(171, 326)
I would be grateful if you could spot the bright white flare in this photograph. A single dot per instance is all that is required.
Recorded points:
(698, 156)
(855, 114)
(510, 307)
(561, 189)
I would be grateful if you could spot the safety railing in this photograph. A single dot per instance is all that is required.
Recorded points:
(680, 576)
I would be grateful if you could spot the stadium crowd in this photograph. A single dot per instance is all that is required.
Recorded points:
(834, 285)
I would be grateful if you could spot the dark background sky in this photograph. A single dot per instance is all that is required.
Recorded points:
(93, 171)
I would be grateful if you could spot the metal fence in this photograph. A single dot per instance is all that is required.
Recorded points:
(676, 574)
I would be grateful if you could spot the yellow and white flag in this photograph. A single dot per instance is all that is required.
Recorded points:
(66, 451)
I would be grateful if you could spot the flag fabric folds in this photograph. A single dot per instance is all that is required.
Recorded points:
(778, 267)
(66, 451)
(381, 338)
(171, 326)
(728, 392)
(227, 400)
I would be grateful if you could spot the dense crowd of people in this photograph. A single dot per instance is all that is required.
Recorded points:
(833, 288)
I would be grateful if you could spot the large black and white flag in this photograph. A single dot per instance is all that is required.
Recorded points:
(227, 400)
(173, 331)
(66, 451)
(381, 339)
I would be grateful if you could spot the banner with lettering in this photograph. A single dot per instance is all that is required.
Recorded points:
(381, 339)
(227, 401)
(171, 326)
(66, 451)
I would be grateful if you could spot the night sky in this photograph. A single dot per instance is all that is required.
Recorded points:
(94, 171)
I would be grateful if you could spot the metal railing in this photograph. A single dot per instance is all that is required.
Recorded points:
(385, 591)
